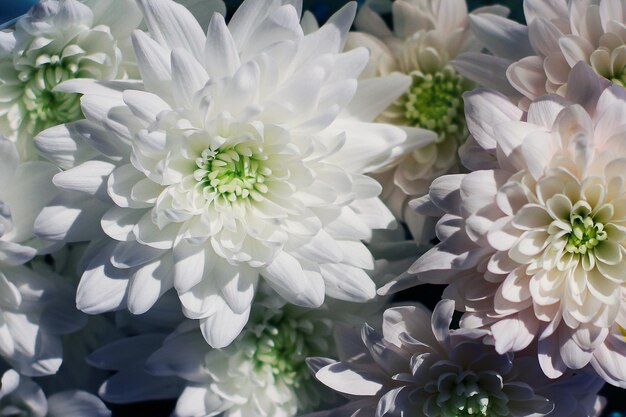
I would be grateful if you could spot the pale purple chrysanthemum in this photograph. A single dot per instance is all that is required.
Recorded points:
(533, 240)
(530, 61)
(419, 367)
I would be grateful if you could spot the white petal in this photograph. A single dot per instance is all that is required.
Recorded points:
(154, 65)
(484, 109)
(190, 262)
(376, 94)
(88, 177)
(71, 217)
(345, 282)
(145, 105)
(148, 283)
(286, 276)
(221, 57)
(102, 288)
(119, 222)
(486, 70)
(528, 76)
(172, 25)
(220, 329)
(515, 333)
(188, 76)
(347, 379)
(237, 285)
(503, 37)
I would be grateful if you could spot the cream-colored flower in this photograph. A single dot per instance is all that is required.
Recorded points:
(534, 246)
(427, 35)
(537, 59)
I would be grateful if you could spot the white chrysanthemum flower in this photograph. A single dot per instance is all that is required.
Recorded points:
(241, 153)
(262, 373)
(36, 307)
(20, 396)
(427, 35)
(534, 245)
(56, 41)
(419, 367)
(537, 60)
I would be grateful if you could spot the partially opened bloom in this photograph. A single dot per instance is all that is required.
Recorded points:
(21, 396)
(239, 154)
(419, 367)
(426, 36)
(56, 41)
(36, 306)
(530, 61)
(533, 245)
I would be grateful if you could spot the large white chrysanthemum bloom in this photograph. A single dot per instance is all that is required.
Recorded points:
(239, 154)
(418, 367)
(530, 61)
(55, 41)
(20, 396)
(36, 306)
(427, 35)
(533, 243)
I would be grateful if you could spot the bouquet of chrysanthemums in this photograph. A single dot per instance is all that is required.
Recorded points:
(242, 210)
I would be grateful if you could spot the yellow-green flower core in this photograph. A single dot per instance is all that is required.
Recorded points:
(435, 102)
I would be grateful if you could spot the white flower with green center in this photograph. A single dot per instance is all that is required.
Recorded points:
(419, 367)
(240, 154)
(263, 373)
(427, 35)
(533, 243)
(59, 40)
(527, 62)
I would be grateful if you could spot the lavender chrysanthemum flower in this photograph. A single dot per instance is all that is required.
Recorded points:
(418, 367)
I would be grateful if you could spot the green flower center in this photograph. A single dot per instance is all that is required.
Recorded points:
(45, 107)
(585, 234)
(467, 394)
(435, 102)
(233, 173)
(477, 405)
(283, 347)
(619, 78)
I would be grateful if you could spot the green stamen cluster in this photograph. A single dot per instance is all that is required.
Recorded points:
(234, 173)
(283, 347)
(619, 78)
(45, 107)
(585, 234)
(435, 102)
(464, 395)
(461, 406)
